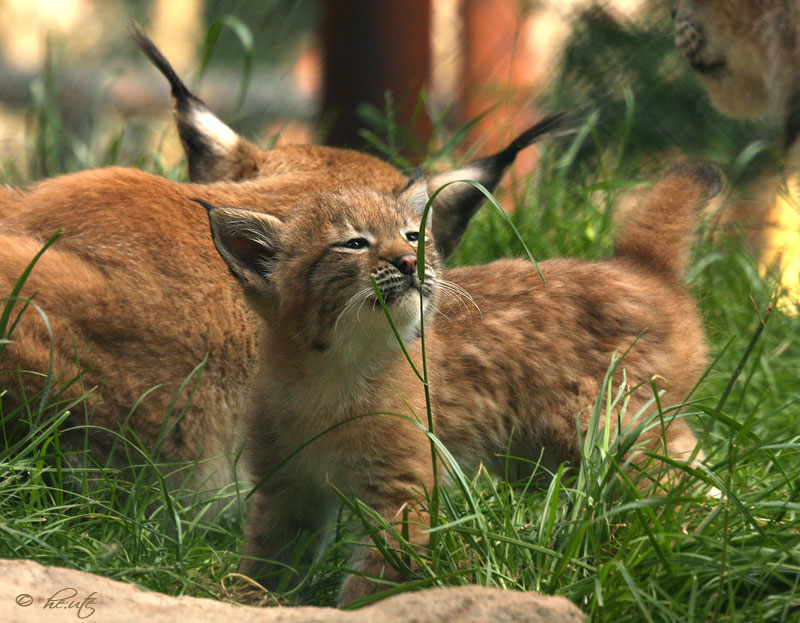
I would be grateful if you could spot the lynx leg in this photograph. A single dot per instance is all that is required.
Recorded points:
(398, 493)
(277, 523)
(371, 563)
(673, 439)
(682, 445)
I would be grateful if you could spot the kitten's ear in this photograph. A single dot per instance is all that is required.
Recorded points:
(247, 241)
(415, 195)
(214, 151)
(457, 203)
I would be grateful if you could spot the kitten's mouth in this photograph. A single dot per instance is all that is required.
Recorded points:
(397, 288)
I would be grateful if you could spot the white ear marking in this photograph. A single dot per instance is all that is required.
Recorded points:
(469, 172)
(416, 197)
(212, 128)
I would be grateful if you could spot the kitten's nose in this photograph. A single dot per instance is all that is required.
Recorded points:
(406, 263)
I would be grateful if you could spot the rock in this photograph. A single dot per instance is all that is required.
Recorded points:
(30, 592)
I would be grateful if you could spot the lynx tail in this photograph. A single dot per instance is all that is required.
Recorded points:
(658, 233)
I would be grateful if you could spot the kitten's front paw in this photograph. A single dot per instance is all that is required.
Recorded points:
(354, 588)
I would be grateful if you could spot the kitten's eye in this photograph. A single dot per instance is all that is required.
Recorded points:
(355, 243)
(412, 236)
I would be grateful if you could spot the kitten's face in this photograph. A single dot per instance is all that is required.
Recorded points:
(330, 255)
(315, 271)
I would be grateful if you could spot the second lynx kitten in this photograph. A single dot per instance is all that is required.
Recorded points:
(514, 366)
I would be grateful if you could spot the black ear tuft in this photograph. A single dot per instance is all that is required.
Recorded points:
(205, 204)
(705, 172)
(214, 151)
(183, 97)
(791, 122)
(552, 122)
(456, 204)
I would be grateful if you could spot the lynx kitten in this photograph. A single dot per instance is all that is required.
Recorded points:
(513, 361)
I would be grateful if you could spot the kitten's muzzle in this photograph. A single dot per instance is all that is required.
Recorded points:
(398, 277)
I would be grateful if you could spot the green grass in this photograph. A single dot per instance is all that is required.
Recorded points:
(587, 532)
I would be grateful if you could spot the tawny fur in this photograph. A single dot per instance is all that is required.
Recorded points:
(512, 366)
(136, 293)
(137, 298)
(216, 153)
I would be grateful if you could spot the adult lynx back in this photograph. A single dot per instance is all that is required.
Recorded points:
(135, 291)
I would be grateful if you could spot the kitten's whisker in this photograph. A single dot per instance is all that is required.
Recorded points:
(357, 299)
(456, 291)
(459, 290)
(358, 311)
(450, 295)
(434, 309)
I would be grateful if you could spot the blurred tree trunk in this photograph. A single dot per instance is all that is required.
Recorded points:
(496, 70)
(370, 47)
(179, 27)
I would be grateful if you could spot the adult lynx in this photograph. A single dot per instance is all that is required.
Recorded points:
(137, 298)
(513, 361)
(747, 53)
